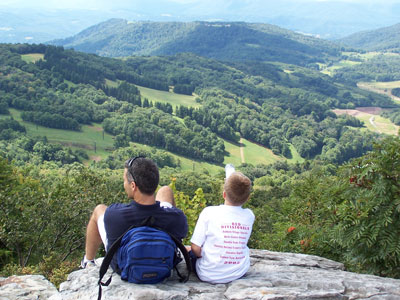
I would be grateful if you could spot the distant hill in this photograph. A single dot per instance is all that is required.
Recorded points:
(383, 39)
(229, 41)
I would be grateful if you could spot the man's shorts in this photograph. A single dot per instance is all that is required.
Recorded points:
(102, 230)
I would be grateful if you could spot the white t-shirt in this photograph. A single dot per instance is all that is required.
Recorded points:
(223, 232)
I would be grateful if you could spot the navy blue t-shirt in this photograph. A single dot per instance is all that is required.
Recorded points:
(120, 216)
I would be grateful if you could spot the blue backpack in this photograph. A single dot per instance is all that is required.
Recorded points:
(145, 254)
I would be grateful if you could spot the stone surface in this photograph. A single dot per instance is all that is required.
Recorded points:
(28, 287)
(272, 275)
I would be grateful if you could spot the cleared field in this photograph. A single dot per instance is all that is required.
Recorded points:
(342, 64)
(111, 83)
(256, 154)
(234, 154)
(89, 138)
(371, 118)
(99, 145)
(354, 58)
(383, 85)
(384, 88)
(168, 97)
(92, 136)
(31, 58)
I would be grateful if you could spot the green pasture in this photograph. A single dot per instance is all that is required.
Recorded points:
(98, 145)
(168, 97)
(255, 154)
(89, 139)
(383, 85)
(92, 136)
(383, 125)
(295, 155)
(341, 64)
(111, 83)
(351, 61)
(32, 57)
(234, 154)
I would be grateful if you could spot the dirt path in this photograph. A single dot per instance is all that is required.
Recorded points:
(371, 120)
(241, 150)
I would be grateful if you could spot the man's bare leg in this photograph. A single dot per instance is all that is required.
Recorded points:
(93, 238)
(165, 194)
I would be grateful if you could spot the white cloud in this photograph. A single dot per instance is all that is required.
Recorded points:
(6, 28)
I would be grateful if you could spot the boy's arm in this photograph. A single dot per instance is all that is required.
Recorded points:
(196, 250)
(199, 234)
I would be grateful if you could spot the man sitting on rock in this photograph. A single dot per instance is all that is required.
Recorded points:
(107, 224)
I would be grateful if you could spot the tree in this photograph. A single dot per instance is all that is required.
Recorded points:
(369, 217)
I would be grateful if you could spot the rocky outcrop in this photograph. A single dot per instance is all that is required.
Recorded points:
(272, 275)
(26, 287)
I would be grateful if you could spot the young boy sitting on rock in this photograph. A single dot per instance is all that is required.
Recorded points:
(219, 241)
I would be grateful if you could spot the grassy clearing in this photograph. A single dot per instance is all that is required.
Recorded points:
(92, 136)
(255, 154)
(382, 125)
(354, 58)
(295, 155)
(383, 85)
(89, 138)
(373, 122)
(168, 97)
(234, 154)
(111, 83)
(342, 64)
(384, 88)
(32, 58)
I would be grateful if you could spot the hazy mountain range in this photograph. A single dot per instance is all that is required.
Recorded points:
(382, 39)
(328, 20)
(235, 41)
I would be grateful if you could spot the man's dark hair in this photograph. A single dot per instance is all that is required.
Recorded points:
(144, 172)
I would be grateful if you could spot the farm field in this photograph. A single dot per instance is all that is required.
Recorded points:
(372, 119)
(384, 88)
(93, 135)
(32, 57)
(89, 138)
(353, 58)
(255, 154)
(168, 97)
(99, 146)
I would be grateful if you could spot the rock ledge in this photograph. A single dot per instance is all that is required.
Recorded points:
(273, 275)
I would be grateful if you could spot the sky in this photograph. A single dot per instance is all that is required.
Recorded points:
(120, 4)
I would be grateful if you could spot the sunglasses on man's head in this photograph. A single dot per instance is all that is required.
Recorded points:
(130, 161)
(129, 164)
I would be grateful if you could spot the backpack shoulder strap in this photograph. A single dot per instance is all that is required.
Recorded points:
(107, 260)
(186, 256)
(185, 253)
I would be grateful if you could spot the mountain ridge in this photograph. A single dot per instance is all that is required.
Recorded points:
(382, 39)
(235, 41)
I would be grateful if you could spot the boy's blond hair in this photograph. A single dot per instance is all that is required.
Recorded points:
(237, 188)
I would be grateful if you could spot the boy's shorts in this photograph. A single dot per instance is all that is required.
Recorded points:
(102, 230)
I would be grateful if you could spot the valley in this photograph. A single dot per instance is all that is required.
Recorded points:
(310, 122)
